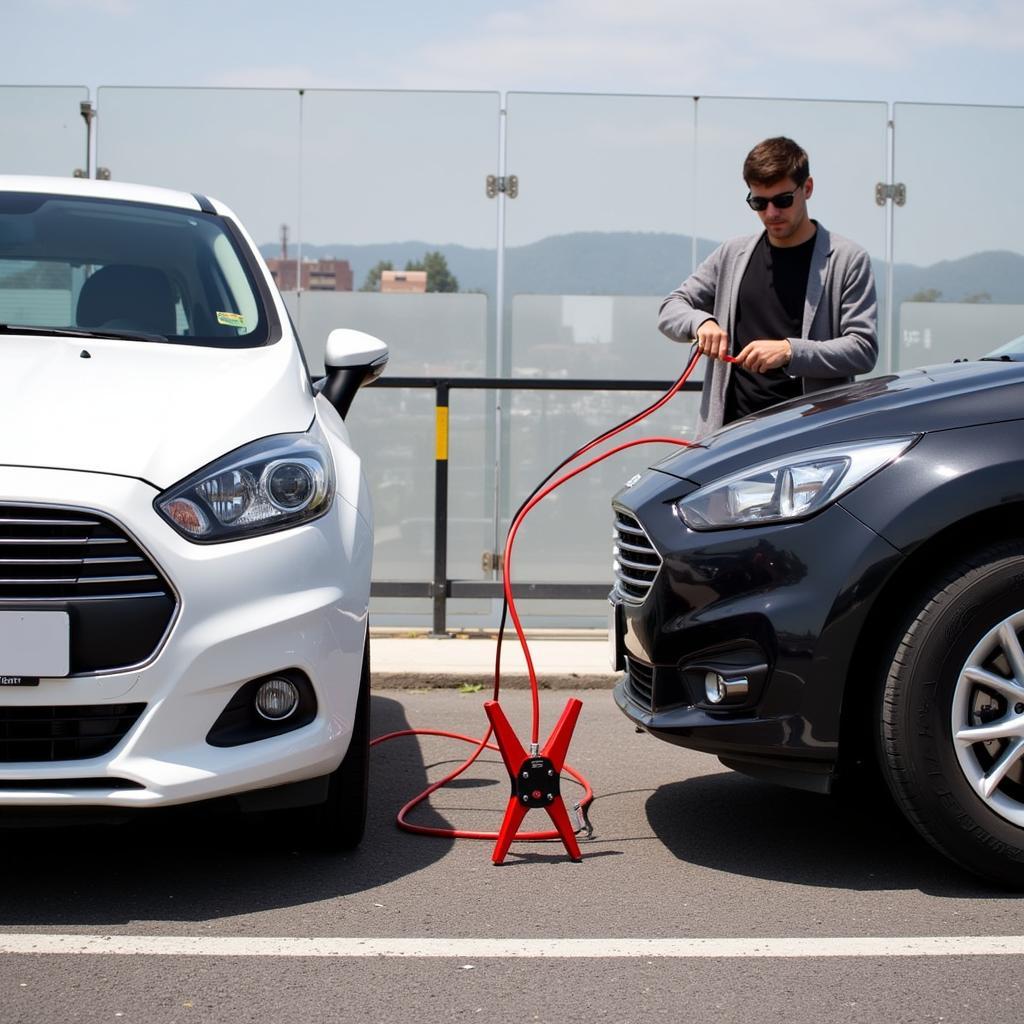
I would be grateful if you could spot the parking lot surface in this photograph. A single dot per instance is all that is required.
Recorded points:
(683, 851)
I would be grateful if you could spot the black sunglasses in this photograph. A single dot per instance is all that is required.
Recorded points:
(783, 201)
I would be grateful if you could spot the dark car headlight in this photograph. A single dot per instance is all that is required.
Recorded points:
(268, 485)
(788, 488)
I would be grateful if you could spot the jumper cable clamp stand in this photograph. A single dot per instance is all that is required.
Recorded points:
(535, 777)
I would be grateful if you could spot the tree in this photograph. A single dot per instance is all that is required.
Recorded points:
(372, 282)
(926, 295)
(978, 297)
(439, 277)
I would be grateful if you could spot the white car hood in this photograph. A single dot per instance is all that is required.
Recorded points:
(143, 409)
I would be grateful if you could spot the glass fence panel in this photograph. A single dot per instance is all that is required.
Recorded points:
(433, 334)
(239, 145)
(396, 181)
(847, 144)
(567, 537)
(42, 130)
(958, 268)
(604, 208)
(600, 232)
(608, 337)
(394, 192)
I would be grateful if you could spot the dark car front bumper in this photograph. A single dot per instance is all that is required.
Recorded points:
(779, 606)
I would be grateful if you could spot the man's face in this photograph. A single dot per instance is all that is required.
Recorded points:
(785, 226)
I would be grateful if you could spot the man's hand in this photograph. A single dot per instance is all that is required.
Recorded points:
(712, 341)
(762, 356)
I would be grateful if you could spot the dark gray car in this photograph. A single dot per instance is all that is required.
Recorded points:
(839, 581)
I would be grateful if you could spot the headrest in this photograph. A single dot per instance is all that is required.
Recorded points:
(132, 298)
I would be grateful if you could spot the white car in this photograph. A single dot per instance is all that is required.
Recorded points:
(185, 530)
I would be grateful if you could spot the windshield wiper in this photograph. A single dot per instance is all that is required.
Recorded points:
(81, 332)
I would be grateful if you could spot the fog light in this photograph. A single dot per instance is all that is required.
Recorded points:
(276, 699)
(720, 690)
(713, 688)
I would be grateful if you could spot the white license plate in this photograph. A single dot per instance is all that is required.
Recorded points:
(34, 643)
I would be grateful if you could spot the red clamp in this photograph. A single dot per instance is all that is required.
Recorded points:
(535, 777)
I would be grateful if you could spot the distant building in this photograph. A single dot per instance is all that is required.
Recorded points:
(317, 275)
(403, 280)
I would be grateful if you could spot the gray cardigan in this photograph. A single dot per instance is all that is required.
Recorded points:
(838, 337)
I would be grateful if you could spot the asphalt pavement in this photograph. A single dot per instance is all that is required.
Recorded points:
(702, 895)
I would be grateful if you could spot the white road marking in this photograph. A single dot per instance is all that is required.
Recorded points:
(477, 949)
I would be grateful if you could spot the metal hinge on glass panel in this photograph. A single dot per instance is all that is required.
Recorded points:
(492, 561)
(897, 193)
(509, 185)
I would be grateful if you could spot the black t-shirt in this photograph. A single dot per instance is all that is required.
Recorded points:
(770, 305)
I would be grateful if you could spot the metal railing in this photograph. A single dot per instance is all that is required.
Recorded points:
(440, 588)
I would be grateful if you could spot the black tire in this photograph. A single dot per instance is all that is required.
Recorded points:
(340, 821)
(952, 672)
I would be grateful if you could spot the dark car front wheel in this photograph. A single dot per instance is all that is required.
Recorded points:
(952, 715)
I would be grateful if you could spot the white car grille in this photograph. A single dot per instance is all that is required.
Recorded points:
(52, 554)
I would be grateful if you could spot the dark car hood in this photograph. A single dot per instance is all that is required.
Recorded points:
(939, 397)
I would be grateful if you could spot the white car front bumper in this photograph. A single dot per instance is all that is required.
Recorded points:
(296, 599)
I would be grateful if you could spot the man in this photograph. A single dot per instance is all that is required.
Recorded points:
(794, 305)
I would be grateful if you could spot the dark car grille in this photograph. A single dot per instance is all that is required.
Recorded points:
(52, 554)
(640, 681)
(119, 604)
(63, 732)
(636, 561)
(655, 687)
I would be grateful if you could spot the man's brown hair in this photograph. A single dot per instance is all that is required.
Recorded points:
(774, 159)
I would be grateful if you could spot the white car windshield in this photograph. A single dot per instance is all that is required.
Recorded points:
(117, 268)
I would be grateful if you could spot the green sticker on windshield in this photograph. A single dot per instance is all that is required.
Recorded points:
(231, 319)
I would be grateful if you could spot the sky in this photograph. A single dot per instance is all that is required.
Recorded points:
(945, 51)
(399, 124)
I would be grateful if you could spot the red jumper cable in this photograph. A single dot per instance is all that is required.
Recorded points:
(535, 774)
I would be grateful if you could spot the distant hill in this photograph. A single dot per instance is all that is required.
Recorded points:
(998, 273)
(651, 263)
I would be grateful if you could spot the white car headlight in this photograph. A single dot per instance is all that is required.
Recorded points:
(788, 488)
(267, 485)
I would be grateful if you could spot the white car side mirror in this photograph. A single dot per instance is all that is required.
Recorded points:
(347, 348)
(352, 359)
